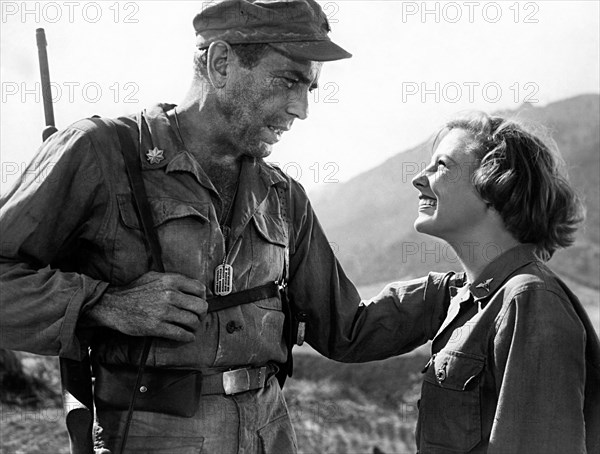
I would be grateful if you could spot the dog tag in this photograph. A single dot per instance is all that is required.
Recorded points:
(223, 279)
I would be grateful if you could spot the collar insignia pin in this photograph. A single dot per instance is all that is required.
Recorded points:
(154, 156)
(485, 285)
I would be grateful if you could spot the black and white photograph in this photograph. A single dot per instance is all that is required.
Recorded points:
(300, 226)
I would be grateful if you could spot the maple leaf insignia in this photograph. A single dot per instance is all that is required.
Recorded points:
(154, 156)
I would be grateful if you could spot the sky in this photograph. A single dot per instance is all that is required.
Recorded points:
(414, 66)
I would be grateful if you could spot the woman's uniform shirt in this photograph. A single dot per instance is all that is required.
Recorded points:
(515, 367)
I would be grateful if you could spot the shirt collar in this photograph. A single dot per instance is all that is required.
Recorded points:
(159, 143)
(161, 148)
(496, 273)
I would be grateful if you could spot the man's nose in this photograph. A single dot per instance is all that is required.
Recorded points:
(298, 105)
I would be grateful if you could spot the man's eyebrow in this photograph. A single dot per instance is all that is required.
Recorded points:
(300, 76)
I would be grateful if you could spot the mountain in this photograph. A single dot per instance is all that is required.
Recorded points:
(369, 219)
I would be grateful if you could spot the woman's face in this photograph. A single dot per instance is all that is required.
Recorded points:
(449, 206)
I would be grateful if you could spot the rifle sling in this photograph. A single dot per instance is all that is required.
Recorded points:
(130, 153)
(140, 199)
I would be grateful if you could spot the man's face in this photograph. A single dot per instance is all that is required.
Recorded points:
(261, 103)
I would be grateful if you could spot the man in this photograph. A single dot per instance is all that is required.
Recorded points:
(75, 267)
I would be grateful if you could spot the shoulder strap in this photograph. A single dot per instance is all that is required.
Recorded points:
(289, 324)
(284, 207)
(130, 153)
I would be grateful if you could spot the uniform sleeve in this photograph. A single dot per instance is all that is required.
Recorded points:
(402, 317)
(539, 355)
(41, 219)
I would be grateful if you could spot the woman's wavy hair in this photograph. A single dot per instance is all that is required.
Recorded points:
(521, 175)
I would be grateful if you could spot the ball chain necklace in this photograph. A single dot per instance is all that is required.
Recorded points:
(223, 272)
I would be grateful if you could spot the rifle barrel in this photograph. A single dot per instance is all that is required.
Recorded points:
(45, 76)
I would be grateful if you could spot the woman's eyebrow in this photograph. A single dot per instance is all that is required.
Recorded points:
(437, 156)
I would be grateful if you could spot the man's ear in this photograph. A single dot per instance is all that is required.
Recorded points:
(220, 56)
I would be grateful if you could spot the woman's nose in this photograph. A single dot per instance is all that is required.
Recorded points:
(420, 181)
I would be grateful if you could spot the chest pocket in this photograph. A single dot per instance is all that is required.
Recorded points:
(450, 408)
(163, 210)
(269, 243)
(182, 228)
(271, 228)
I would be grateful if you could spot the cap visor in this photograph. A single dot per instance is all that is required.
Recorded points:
(312, 50)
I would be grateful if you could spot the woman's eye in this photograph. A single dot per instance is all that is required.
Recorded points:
(441, 162)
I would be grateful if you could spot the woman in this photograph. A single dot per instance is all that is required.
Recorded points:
(515, 364)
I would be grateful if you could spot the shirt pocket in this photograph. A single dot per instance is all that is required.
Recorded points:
(269, 243)
(450, 405)
(183, 230)
(258, 327)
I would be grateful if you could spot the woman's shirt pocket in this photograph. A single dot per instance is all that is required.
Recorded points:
(450, 407)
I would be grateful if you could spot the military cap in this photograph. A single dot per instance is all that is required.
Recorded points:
(298, 28)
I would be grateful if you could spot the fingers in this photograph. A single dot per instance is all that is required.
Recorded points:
(197, 306)
(184, 319)
(186, 285)
(180, 318)
(166, 305)
(170, 281)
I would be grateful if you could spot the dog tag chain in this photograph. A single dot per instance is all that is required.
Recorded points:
(224, 271)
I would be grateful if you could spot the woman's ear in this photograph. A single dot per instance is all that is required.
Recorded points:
(218, 63)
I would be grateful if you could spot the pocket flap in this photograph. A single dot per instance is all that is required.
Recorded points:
(455, 370)
(271, 228)
(163, 209)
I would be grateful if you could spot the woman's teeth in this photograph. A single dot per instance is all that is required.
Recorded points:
(428, 202)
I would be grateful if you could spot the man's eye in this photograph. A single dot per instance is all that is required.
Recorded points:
(441, 162)
(289, 83)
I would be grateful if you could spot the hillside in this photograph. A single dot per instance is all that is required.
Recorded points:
(370, 218)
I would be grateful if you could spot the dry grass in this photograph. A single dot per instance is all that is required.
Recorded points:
(330, 418)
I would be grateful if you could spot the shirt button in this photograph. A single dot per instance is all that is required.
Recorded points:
(232, 327)
(143, 389)
(441, 374)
